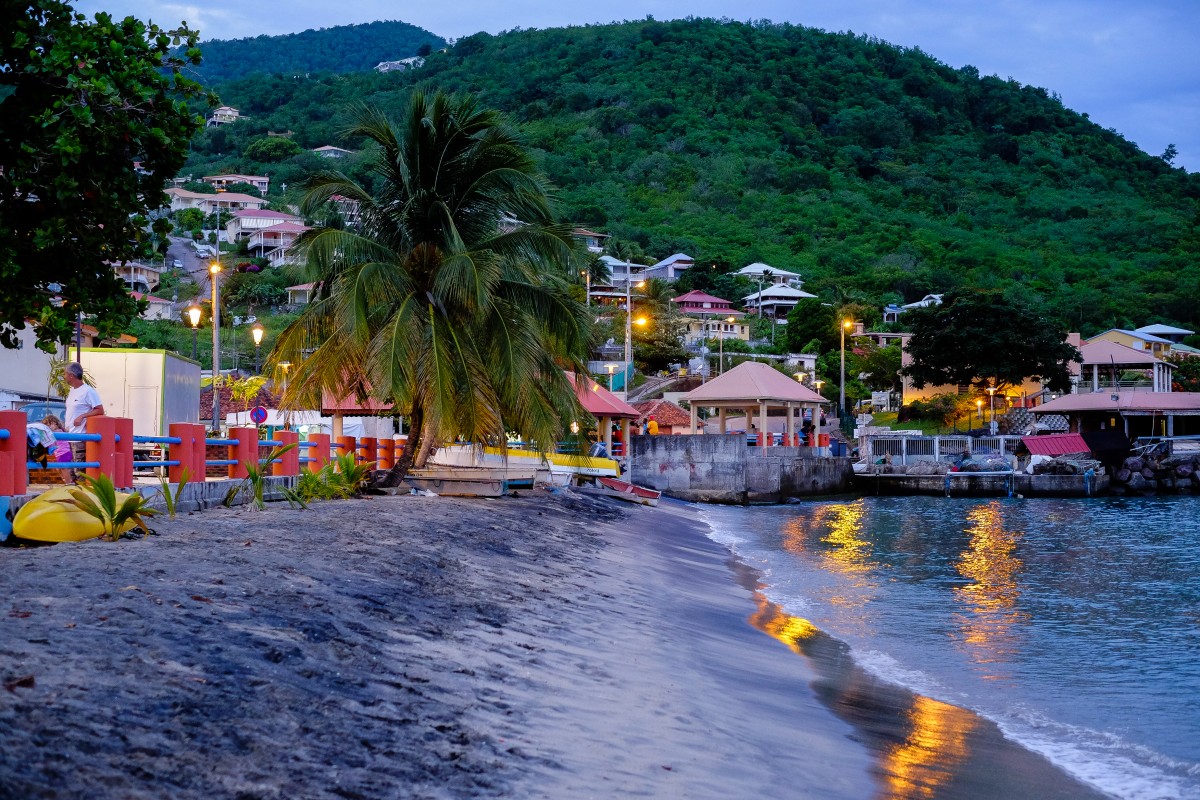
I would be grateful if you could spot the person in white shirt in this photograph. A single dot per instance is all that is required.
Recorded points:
(82, 402)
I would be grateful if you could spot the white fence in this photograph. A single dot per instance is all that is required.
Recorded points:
(910, 449)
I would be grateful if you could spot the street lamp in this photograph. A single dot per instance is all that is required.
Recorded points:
(193, 314)
(846, 325)
(587, 278)
(284, 366)
(612, 368)
(629, 320)
(979, 409)
(214, 269)
(800, 376)
(991, 390)
(729, 320)
(817, 384)
(256, 331)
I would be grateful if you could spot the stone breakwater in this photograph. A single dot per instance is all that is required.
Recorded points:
(1174, 474)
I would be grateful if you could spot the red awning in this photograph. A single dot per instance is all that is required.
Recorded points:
(1056, 444)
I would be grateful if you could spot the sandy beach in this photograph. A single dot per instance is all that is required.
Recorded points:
(547, 646)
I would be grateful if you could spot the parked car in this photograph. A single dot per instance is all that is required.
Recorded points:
(38, 411)
(177, 264)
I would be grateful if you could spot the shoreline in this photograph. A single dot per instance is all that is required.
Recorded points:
(546, 646)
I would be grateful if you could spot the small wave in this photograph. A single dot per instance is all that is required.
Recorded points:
(1101, 759)
(889, 670)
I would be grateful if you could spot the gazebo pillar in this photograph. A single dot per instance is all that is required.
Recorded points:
(606, 422)
(790, 426)
(721, 419)
(694, 417)
(764, 435)
(1095, 377)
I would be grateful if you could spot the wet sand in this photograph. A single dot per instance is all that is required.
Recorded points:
(548, 646)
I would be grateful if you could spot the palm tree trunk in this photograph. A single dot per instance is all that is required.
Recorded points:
(427, 442)
(404, 463)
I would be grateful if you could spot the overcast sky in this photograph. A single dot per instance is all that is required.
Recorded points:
(1132, 65)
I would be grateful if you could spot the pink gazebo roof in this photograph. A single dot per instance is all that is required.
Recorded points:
(752, 383)
(1106, 353)
(598, 401)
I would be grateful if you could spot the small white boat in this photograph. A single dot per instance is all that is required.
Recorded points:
(460, 481)
(622, 490)
(561, 466)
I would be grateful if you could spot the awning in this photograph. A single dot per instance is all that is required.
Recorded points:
(1056, 444)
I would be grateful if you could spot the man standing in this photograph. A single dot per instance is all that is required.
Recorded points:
(82, 402)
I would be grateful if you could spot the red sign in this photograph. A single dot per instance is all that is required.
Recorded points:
(258, 415)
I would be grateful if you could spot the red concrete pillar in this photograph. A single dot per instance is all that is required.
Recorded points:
(346, 444)
(122, 475)
(103, 451)
(244, 452)
(319, 452)
(199, 453)
(14, 475)
(387, 449)
(184, 452)
(289, 461)
(370, 451)
(762, 439)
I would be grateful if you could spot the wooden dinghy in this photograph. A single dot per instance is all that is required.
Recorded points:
(470, 481)
(623, 490)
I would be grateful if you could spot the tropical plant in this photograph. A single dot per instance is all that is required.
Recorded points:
(98, 497)
(255, 481)
(450, 298)
(171, 498)
(350, 475)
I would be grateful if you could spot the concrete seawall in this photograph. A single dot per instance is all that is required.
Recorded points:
(724, 469)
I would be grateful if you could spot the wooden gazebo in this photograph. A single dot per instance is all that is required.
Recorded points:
(605, 406)
(755, 389)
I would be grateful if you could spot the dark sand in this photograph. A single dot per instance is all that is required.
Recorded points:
(411, 647)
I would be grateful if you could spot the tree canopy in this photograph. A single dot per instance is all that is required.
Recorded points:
(982, 337)
(93, 121)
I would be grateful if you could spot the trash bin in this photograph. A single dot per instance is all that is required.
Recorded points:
(838, 449)
(822, 440)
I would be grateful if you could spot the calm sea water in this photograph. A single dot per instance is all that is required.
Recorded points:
(1072, 624)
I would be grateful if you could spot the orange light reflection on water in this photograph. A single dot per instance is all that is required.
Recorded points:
(989, 601)
(931, 750)
(839, 527)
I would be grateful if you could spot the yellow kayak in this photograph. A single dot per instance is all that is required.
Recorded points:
(43, 519)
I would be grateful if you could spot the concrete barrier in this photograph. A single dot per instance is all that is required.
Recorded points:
(724, 469)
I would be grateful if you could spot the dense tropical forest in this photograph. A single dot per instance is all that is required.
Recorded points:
(875, 171)
(345, 48)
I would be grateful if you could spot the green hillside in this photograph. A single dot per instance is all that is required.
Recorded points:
(345, 48)
(868, 168)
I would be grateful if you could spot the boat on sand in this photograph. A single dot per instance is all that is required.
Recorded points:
(622, 490)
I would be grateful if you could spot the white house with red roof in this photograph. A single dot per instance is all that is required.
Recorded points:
(247, 221)
(209, 203)
(274, 243)
(710, 317)
(157, 307)
(260, 182)
(300, 294)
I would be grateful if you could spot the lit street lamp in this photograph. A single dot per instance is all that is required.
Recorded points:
(629, 320)
(612, 368)
(800, 377)
(214, 269)
(991, 390)
(846, 325)
(817, 384)
(194, 317)
(256, 331)
(979, 409)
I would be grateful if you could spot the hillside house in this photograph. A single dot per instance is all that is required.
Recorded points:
(708, 317)
(400, 65)
(767, 275)
(225, 115)
(209, 203)
(893, 312)
(301, 294)
(1138, 339)
(245, 222)
(671, 267)
(594, 242)
(156, 308)
(775, 300)
(139, 277)
(329, 151)
(221, 182)
(274, 243)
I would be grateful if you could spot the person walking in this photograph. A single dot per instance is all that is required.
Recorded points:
(82, 402)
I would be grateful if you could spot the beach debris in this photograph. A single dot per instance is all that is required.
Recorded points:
(24, 682)
(423, 493)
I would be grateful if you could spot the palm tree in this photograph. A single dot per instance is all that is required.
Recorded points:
(449, 299)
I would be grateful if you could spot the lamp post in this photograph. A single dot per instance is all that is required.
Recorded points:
(979, 409)
(817, 384)
(991, 390)
(721, 342)
(846, 325)
(587, 282)
(193, 314)
(214, 269)
(612, 368)
(284, 366)
(800, 377)
(629, 320)
(257, 332)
